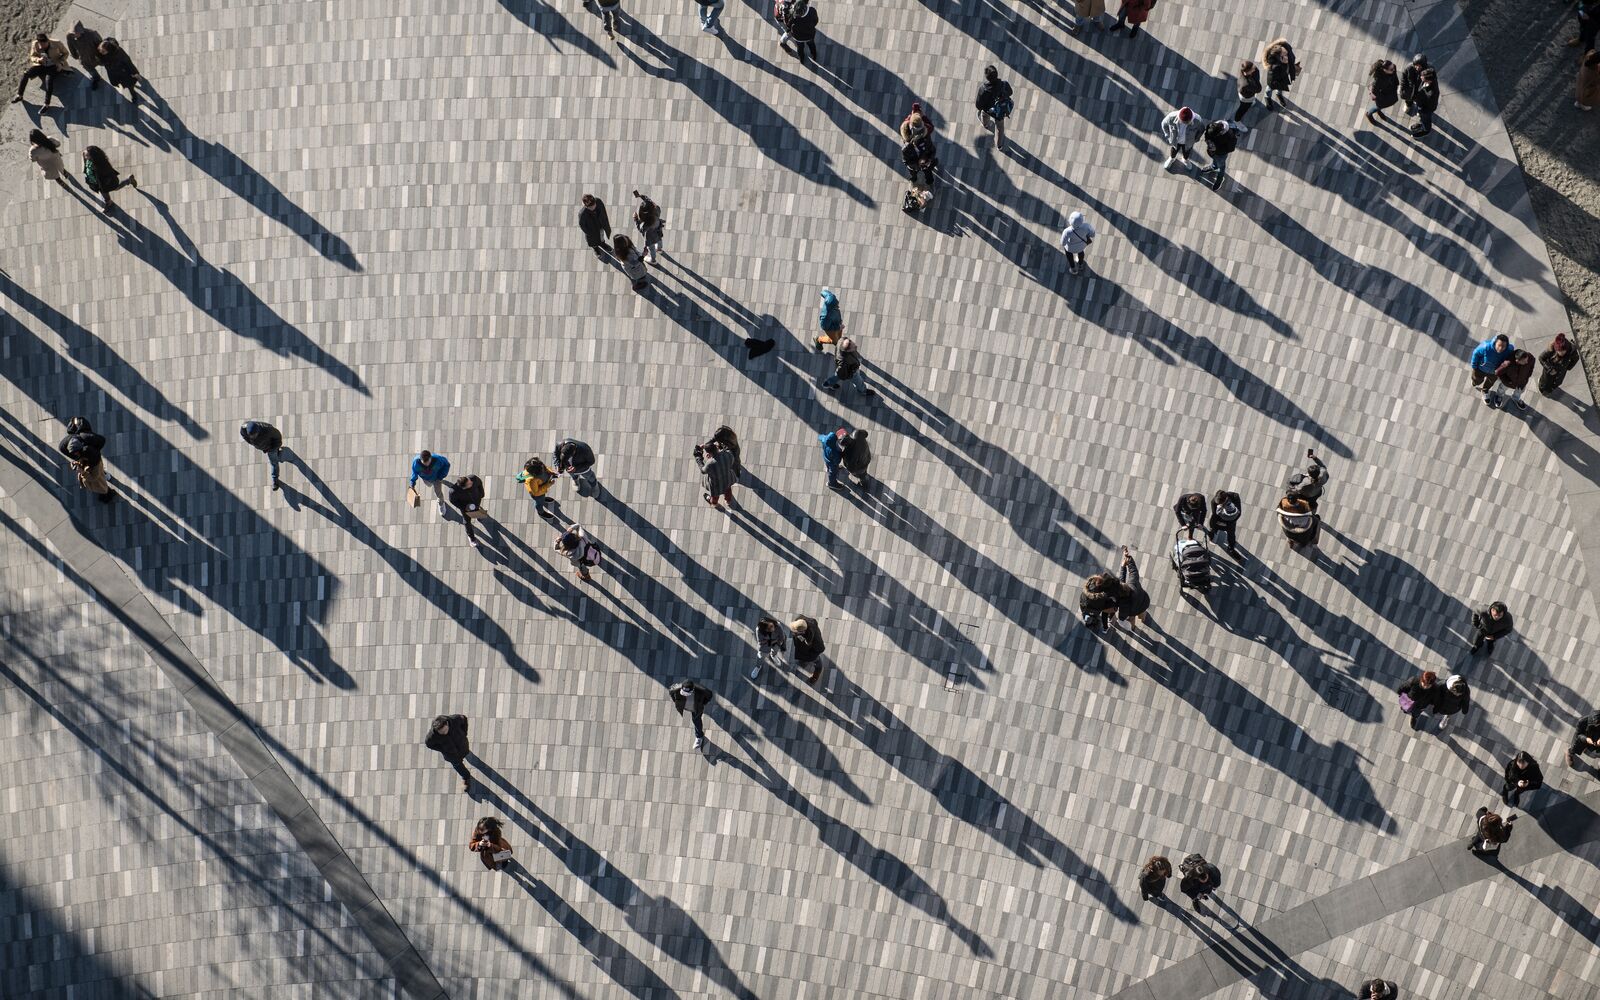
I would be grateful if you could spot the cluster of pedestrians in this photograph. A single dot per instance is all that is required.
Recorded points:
(1199, 878)
(595, 224)
(1497, 362)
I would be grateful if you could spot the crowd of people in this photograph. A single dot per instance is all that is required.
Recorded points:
(1106, 599)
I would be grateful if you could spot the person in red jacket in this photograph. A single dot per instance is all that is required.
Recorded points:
(1133, 14)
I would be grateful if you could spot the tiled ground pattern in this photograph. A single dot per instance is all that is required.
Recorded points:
(356, 219)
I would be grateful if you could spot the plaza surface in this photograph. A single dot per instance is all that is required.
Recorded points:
(357, 220)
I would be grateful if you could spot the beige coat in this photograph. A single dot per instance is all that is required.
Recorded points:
(1588, 83)
(48, 161)
(1091, 8)
(53, 53)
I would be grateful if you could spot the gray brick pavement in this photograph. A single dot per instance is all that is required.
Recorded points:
(363, 255)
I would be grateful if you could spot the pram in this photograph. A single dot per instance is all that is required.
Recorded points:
(1191, 560)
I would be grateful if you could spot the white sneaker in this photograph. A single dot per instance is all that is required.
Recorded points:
(699, 741)
(441, 508)
(474, 542)
(1170, 161)
(755, 671)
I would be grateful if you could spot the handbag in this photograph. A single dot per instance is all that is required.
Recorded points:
(413, 497)
(1407, 703)
(500, 857)
(476, 512)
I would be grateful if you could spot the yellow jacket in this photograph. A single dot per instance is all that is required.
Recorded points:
(537, 486)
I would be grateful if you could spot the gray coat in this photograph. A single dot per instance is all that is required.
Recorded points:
(720, 470)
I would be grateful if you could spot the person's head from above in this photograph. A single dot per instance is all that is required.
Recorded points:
(1523, 759)
(1501, 342)
(465, 482)
(1185, 114)
(1247, 68)
(841, 434)
(79, 425)
(767, 626)
(846, 345)
(1497, 610)
(1383, 66)
(686, 687)
(441, 725)
(991, 74)
(41, 39)
(799, 625)
(1561, 344)
(1419, 60)
(1429, 678)
(589, 201)
(1457, 684)
(425, 457)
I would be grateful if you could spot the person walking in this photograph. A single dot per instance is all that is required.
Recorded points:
(1191, 511)
(578, 548)
(447, 736)
(1486, 360)
(1097, 601)
(725, 437)
(1133, 602)
(647, 218)
(802, 27)
(610, 17)
(632, 262)
(710, 18)
(1132, 15)
(1222, 138)
(596, 225)
(489, 844)
(45, 153)
(1226, 508)
(576, 459)
(83, 44)
(1200, 879)
(1514, 373)
(857, 455)
(719, 471)
(101, 177)
(120, 70)
(47, 59)
(772, 645)
(1492, 831)
(1249, 88)
(1420, 694)
(1557, 359)
(916, 124)
(847, 370)
(1588, 84)
(1308, 485)
(688, 694)
(1383, 86)
(830, 321)
(1410, 80)
(920, 159)
(1075, 240)
(1182, 129)
(1376, 989)
(1153, 878)
(1426, 99)
(432, 470)
(537, 479)
(1455, 699)
(1522, 776)
(833, 455)
(1493, 622)
(1282, 70)
(1092, 11)
(1300, 522)
(268, 440)
(1585, 739)
(994, 104)
(466, 496)
(808, 645)
(83, 448)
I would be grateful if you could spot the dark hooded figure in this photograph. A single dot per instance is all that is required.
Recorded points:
(857, 456)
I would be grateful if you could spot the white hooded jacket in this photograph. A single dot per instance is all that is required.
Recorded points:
(1075, 238)
(1184, 134)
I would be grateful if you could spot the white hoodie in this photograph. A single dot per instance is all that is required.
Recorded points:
(1183, 134)
(1075, 238)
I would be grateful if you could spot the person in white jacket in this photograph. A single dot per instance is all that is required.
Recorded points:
(1075, 239)
(1182, 129)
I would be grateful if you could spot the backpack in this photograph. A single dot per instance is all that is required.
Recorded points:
(1002, 108)
(76, 449)
(1192, 863)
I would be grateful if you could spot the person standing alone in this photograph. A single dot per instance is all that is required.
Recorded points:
(83, 448)
(1522, 776)
(447, 736)
(688, 694)
(267, 439)
(994, 104)
(1075, 240)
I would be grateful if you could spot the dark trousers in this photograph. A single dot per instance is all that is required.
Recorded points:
(1483, 641)
(460, 764)
(1244, 106)
(1512, 794)
(697, 716)
(1425, 118)
(46, 73)
(274, 457)
(1173, 152)
(926, 173)
(1222, 533)
(801, 47)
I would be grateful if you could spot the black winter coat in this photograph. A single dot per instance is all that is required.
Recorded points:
(696, 702)
(803, 27)
(917, 152)
(452, 745)
(1531, 774)
(808, 645)
(83, 448)
(596, 224)
(857, 456)
(1425, 697)
(261, 435)
(1486, 624)
(992, 93)
(1384, 89)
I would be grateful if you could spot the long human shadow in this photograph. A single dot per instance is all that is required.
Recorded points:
(962, 793)
(85, 350)
(165, 130)
(453, 605)
(1258, 959)
(549, 24)
(1564, 905)
(1331, 773)
(659, 920)
(237, 579)
(221, 295)
(877, 863)
(769, 131)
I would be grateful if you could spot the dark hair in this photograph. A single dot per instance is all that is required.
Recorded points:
(464, 482)
(767, 624)
(42, 37)
(426, 456)
(1429, 76)
(1498, 606)
(38, 138)
(1419, 60)
(1428, 677)
(535, 466)
(990, 73)
(621, 245)
(1499, 337)
(1247, 68)
(79, 425)
(1523, 757)
(568, 541)
(1158, 863)
(588, 200)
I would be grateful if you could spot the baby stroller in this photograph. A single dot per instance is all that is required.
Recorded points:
(1191, 560)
